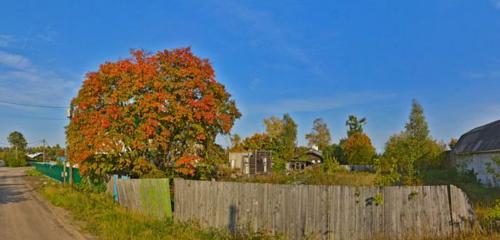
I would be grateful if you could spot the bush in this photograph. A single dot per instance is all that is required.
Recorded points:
(13, 159)
(489, 218)
(480, 195)
(405, 158)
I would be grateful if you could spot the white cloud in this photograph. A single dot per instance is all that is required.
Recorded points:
(295, 105)
(14, 61)
(24, 82)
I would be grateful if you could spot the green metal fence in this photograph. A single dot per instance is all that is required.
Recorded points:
(56, 172)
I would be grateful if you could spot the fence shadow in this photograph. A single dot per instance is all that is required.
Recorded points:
(232, 224)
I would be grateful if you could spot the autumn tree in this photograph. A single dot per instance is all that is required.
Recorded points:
(258, 141)
(236, 143)
(149, 112)
(274, 126)
(320, 135)
(357, 148)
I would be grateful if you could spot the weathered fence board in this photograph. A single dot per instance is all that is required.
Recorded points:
(146, 196)
(324, 212)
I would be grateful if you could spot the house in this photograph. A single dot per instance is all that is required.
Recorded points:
(479, 150)
(309, 159)
(252, 162)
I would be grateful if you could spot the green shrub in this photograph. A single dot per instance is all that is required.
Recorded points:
(15, 159)
(479, 194)
(490, 218)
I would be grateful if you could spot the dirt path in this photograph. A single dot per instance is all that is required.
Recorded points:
(25, 215)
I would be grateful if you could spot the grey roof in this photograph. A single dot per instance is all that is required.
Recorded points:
(481, 139)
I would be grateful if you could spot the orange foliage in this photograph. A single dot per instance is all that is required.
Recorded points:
(148, 109)
(358, 149)
(186, 165)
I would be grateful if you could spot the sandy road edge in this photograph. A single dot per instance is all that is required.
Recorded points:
(62, 217)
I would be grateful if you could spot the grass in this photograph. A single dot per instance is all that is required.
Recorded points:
(33, 172)
(480, 195)
(106, 220)
(313, 177)
(483, 198)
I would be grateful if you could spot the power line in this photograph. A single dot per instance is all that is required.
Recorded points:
(31, 105)
(32, 118)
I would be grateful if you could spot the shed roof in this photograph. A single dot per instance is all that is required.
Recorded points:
(481, 139)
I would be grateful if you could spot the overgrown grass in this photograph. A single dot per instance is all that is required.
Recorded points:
(315, 177)
(485, 200)
(478, 194)
(106, 220)
(33, 172)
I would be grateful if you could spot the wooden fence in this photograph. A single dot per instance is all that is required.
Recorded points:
(324, 212)
(146, 196)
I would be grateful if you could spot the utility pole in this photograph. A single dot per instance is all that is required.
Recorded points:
(43, 149)
(70, 114)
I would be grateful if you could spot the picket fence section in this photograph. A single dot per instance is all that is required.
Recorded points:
(146, 196)
(324, 212)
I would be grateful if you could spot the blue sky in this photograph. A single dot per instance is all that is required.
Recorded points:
(312, 59)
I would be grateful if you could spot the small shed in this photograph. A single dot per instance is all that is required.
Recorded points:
(252, 162)
(479, 150)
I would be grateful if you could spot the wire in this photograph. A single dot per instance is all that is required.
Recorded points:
(33, 118)
(31, 105)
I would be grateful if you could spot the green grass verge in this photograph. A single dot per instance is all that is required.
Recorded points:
(106, 220)
(33, 172)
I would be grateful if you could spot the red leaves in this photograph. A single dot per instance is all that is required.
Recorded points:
(168, 101)
(186, 165)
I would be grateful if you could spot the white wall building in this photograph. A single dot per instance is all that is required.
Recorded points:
(479, 150)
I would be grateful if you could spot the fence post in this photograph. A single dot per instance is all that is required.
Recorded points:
(115, 187)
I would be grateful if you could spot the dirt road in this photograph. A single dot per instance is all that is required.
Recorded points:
(25, 215)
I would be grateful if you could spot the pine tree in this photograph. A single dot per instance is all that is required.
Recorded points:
(417, 126)
(289, 137)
